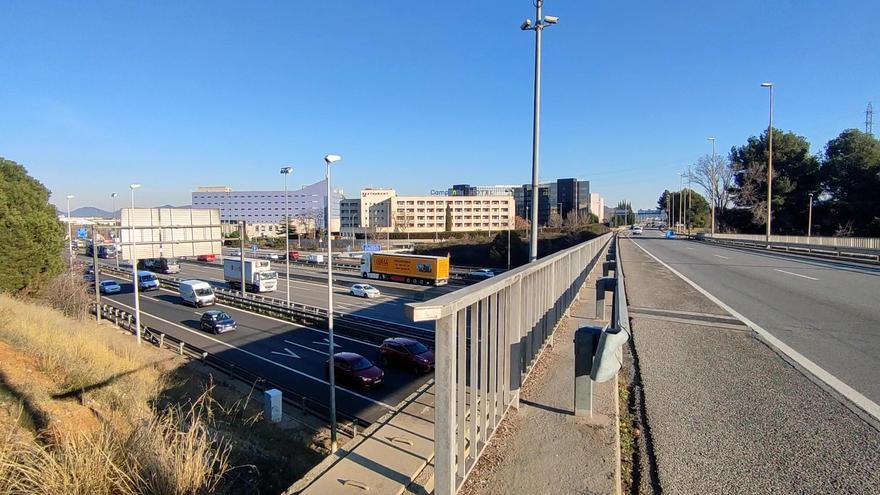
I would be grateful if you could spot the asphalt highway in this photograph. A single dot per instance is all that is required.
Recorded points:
(826, 310)
(306, 287)
(276, 349)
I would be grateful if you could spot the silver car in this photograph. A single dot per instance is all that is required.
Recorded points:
(364, 290)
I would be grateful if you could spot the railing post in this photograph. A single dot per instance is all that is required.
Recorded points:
(444, 419)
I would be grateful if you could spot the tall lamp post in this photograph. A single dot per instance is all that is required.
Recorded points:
(541, 22)
(712, 187)
(810, 217)
(332, 375)
(113, 199)
(769, 85)
(680, 196)
(69, 233)
(285, 172)
(134, 270)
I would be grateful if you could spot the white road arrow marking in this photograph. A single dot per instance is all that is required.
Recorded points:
(325, 342)
(287, 353)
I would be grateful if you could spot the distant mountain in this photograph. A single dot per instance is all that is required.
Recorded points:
(90, 211)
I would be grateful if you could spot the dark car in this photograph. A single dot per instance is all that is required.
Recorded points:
(217, 322)
(355, 369)
(408, 353)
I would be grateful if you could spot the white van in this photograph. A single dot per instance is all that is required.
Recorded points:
(196, 292)
(316, 258)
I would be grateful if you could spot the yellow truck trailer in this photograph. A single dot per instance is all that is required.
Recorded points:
(409, 268)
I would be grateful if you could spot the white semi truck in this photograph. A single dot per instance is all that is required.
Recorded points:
(258, 274)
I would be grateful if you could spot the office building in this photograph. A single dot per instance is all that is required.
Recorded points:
(307, 206)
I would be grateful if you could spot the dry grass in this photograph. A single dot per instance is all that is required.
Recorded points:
(92, 428)
(67, 293)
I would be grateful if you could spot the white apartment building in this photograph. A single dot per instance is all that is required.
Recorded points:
(381, 210)
(597, 206)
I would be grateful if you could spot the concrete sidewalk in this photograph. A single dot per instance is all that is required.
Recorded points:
(542, 448)
(721, 411)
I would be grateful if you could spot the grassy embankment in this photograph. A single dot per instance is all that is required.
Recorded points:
(84, 410)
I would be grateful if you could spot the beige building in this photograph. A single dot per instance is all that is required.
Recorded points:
(597, 206)
(381, 210)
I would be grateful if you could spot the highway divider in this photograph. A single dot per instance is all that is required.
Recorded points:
(349, 425)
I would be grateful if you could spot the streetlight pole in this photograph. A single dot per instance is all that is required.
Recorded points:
(689, 204)
(713, 185)
(810, 217)
(540, 23)
(113, 199)
(769, 160)
(680, 196)
(69, 233)
(332, 375)
(134, 270)
(508, 247)
(285, 172)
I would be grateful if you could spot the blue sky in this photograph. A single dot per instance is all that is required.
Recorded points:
(415, 95)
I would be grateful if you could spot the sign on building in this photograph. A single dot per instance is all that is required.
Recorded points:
(170, 232)
(372, 248)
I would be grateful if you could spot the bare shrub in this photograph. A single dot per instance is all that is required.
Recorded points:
(69, 294)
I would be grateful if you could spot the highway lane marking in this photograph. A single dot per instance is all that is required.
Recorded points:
(795, 274)
(262, 358)
(309, 348)
(865, 404)
(287, 353)
(718, 256)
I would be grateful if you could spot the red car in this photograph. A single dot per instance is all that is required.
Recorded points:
(409, 353)
(207, 257)
(293, 255)
(355, 369)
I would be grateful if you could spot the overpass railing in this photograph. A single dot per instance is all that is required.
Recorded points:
(856, 247)
(487, 336)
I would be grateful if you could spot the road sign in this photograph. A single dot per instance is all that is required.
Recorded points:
(254, 248)
(82, 233)
(372, 248)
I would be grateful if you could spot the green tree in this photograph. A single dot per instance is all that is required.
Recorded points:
(795, 176)
(448, 217)
(34, 238)
(623, 219)
(851, 178)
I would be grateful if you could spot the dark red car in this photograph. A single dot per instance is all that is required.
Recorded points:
(355, 369)
(408, 353)
(293, 255)
(207, 257)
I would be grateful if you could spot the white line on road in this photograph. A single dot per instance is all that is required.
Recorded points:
(851, 394)
(308, 348)
(716, 255)
(262, 358)
(795, 274)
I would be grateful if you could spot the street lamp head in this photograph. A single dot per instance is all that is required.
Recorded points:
(113, 195)
(286, 170)
(711, 139)
(767, 85)
(550, 19)
(526, 25)
(332, 158)
(134, 186)
(70, 196)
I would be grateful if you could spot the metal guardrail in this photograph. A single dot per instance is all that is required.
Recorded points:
(852, 247)
(488, 335)
(306, 405)
(368, 328)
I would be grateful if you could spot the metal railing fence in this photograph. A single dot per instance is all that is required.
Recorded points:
(487, 337)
